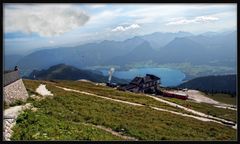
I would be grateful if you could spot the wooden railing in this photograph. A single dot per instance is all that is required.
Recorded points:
(10, 77)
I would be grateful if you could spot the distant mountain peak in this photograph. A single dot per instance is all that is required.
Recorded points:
(180, 39)
(107, 41)
(143, 49)
(183, 32)
(58, 65)
(135, 38)
(145, 44)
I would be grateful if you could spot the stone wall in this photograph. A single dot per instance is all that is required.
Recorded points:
(8, 124)
(15, 91)
(10, 117)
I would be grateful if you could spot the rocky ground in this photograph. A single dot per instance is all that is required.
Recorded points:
(10, 117)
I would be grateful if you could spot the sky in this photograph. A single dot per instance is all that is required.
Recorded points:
(29, 27)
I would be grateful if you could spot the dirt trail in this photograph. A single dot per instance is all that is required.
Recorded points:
(198, 97)
(82, 92)
(187, 115)
(191, 110)
(202, 118)
(112, 132)
(226, 107)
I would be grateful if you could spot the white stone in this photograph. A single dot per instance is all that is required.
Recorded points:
(42, 90)
(7, 135)
(7, 124)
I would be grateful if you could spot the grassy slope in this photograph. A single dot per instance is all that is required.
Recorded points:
(207, 109)
(41, 125)
(57, 118)
(138, 98)
(116, 94)
(224, 98)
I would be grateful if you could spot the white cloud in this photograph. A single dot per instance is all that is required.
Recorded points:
(51, 42)
(199, 19)
(152, 13)
(44, 19)
(105, 16)
(122, 28)
(119, 28)
(95, 6)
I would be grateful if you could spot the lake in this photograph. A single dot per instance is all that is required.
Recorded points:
(169, 77)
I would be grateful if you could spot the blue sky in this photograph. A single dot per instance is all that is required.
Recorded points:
(33, 26)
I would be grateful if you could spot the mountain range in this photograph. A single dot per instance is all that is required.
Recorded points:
(11, 61)
(161, 48)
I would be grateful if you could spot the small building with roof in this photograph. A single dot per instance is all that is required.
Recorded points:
(148, 83)
(13, 87)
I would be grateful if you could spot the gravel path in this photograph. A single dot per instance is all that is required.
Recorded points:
(192, 111)
(112, 132)
(202, 116)
(85, 80)
(198, 97)
(225, 107)
(186, 115)
(82, 92)
(42, 90)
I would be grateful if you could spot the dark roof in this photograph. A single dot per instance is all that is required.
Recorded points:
(147, 78)
(153, 77)
(128, 87)
(136, 80)
(10, 77)
(8, 71)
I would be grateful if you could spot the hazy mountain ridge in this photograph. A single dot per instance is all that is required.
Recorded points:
(79, 56)
(217, 49)
(11, 60)
(143, 52)
(182, 50)
(158, 39)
